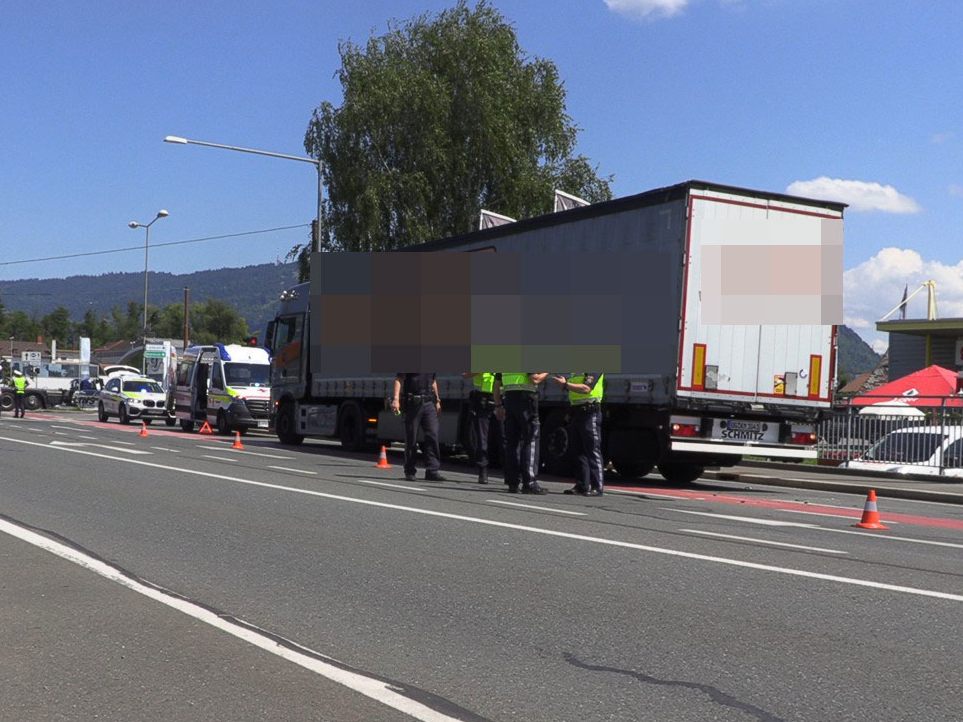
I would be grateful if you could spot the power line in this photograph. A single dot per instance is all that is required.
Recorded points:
(153, 245)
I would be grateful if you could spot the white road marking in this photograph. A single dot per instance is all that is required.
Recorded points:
(382, 692)
(763, 541)
(877, 535)
(539, 508)
(84, 436)
(266, 456)
(393, 486)
(164, 448)
(61, 433)
(125, 443)
(789, 571)
(69, 428)
(218, 458)
(749, 519)
(99, 446)
(299, 471)
(831, 516)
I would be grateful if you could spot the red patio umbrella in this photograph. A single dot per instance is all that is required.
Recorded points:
(926, 387)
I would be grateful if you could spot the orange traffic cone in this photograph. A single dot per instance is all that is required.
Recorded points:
(383, 460)
(143, 429)
(870, 518)
(237, 441)
(206, 428)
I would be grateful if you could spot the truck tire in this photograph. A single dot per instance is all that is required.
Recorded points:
(6, 401)
(101, 412)
(285, 425)
(351, 427)
(187, 425)
(632, 469)
(677, 472)
(34, 402)
(557, 444)
(122, 414)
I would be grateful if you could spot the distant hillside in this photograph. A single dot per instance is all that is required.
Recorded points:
(252, 290)
(854, 356)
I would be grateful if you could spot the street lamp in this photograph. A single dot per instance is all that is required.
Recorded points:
(316, 246)
(146, 226)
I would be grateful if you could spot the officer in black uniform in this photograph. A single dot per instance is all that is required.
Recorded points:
(418, 395)
(516, 403)
(585, 397)
(481, 406)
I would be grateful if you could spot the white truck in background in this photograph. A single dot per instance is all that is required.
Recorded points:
(710, 392)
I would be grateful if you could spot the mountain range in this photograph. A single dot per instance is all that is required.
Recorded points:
(252, 290)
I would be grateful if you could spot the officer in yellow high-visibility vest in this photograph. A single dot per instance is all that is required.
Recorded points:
(19, 393)
(481, 407)
(585, 396)
(516, 403)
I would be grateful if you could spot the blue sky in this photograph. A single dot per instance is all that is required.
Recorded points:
(855, 100)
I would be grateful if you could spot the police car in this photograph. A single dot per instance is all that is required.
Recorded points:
(133, 397)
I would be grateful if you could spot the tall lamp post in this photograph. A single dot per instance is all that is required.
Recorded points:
(316, 239)
(146, 226)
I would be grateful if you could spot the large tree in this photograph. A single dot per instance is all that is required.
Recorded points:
(442, 116)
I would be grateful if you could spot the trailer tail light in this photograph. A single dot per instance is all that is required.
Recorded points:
(803, 437)
(685, 429)
(373, 421)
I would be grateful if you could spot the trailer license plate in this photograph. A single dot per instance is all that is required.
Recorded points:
(742, 430)
(262, 423)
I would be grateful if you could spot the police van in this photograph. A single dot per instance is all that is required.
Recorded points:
(226, 385)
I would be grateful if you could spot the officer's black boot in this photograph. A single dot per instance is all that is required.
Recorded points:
(482, 474)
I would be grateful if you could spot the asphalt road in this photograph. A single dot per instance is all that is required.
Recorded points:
(174, 577)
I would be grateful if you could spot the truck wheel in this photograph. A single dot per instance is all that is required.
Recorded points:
(187, 425)
(677, 472)
(351, 427)
(631, 469)
(286, 426)
(122, 414)
(6, 401)
(557, 447)
(222, 427)
(33, 402)
(101, 413)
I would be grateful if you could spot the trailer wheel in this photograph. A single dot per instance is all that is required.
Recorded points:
(677, 472)
(285, 425)
(33, 402)
(557, 448)
(351, 427)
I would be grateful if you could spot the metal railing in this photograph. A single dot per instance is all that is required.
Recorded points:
(925, 436)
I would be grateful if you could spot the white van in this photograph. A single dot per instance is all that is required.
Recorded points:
(227, 386)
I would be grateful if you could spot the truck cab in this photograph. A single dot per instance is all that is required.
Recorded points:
(224, 385)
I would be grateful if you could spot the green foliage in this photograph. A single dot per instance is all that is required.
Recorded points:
(441, 117)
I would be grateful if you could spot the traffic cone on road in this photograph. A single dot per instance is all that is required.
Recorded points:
(383, 460)
(870, 518)
(143, 429)
(206, 429)
(237, 441)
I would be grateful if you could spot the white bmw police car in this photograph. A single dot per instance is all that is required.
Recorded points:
(133, 397)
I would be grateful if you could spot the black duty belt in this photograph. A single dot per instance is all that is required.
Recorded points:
(420, 398)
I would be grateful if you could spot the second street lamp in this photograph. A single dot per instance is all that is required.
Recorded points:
(146, 226)
(316, 239)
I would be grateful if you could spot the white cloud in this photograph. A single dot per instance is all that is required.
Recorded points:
(875, 286)
(647, 8)
(860, 195)
(879, 345)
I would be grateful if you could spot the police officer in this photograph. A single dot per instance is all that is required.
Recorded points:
(516, 403)
(19, 392)
(422, 405)
(585, 397)
(481, 406)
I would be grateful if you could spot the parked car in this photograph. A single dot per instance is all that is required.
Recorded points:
(927, 450)
(133, 397)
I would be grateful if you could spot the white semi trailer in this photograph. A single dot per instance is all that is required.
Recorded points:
(734, 355)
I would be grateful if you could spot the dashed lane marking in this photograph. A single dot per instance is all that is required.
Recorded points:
(99, 446)
(218, 458)
(538, 508)
(299, 471)
(393, 486)
(763, 541)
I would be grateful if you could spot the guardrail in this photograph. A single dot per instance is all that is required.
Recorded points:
(921, 434)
